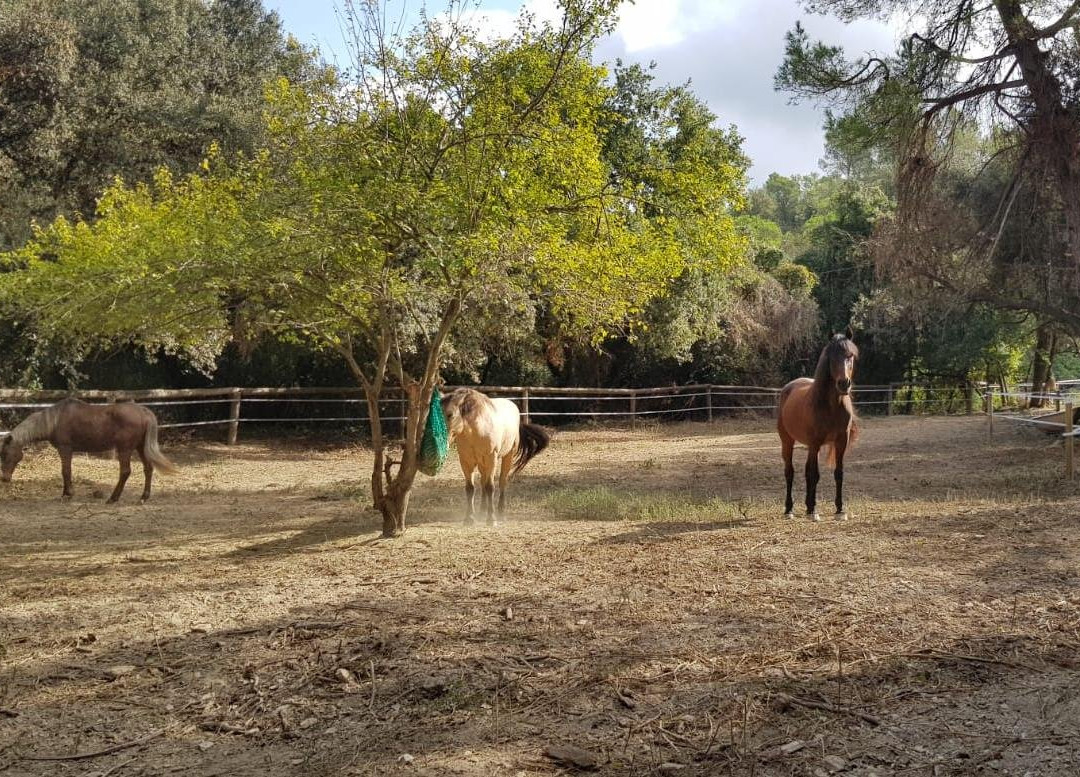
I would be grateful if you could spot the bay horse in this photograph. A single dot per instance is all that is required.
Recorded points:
(818, 413)
(489, 431)
(73, 425)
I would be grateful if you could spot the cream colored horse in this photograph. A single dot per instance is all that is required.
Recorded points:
(489, 432)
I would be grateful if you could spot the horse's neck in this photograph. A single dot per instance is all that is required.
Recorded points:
(37, 426)
(826, 396)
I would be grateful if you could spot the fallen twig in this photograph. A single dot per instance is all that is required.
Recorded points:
(226, 728)
(96, 753)
(822, 705)
(940, 654)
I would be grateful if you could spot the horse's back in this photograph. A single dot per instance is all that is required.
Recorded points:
(486, 428)
(89, 427)
(503, 431)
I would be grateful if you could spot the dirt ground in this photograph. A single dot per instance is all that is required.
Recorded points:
(645, 603)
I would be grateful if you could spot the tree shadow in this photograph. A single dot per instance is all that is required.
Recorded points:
(347, 682)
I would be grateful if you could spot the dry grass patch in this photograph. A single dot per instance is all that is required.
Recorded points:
(646, 603)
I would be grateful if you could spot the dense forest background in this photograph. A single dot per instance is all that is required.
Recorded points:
(95, 91)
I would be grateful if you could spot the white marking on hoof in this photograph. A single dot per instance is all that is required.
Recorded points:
(789, 515)
(813, 516)
(841, 516)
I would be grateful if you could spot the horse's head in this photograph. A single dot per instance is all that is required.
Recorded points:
(453, 410)
(11, 454)
(838, 362)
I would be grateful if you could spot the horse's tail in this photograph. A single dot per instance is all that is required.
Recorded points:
(152, 451)
(531, 440)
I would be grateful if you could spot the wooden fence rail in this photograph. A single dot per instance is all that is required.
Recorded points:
(535, 401)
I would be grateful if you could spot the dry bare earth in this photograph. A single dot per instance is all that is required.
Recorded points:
(647, 604)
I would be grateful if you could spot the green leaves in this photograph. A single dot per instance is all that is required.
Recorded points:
(483, 180)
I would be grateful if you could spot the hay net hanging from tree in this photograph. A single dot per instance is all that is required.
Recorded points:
(435, 445)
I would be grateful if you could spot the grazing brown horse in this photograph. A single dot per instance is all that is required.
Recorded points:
(818, 413)
(488, 431)
(72, 425)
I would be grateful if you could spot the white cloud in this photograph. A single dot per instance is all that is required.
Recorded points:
(652, 24)
(730, 50)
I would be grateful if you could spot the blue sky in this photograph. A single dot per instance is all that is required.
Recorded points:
(728, 49)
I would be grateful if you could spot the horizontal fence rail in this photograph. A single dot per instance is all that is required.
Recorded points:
(232, 407)
(1058, 422)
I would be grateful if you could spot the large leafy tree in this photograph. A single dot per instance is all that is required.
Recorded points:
(663, 143)
(1004, 69)
(92, 89)
(454, 179)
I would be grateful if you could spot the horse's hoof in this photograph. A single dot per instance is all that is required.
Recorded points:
(492, 523)
(841, 516)
(813, 516)
(789, 515)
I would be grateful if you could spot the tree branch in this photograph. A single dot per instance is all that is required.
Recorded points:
(997, 55)
(1067, 19)
(939, 103)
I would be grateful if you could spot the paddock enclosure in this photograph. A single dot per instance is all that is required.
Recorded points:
(644, 603)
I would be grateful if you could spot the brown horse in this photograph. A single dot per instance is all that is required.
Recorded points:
(487, 431)
(818, 413)
(72, 425)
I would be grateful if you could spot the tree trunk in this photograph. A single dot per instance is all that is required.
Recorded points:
(393, 507)
(1040, 367)
(1053, 125)
(390, 490)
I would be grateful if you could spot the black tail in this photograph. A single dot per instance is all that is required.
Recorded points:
(531, 440)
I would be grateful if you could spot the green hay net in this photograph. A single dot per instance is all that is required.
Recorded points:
(435, 445)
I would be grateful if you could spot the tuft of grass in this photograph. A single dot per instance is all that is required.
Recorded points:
(601, 503)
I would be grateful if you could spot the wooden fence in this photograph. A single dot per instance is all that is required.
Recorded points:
(232, 407)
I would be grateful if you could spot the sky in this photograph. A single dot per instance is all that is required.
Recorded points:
(729, 51)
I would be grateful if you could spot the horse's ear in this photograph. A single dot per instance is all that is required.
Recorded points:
(849, 333)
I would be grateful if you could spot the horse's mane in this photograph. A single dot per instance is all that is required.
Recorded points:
(37, 426)
(840, 345)
(468, 402)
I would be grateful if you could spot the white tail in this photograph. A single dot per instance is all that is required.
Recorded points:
(152, 451)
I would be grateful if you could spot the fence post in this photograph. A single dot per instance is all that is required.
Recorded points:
(1069, 470)
(709, 400)
(970, 398)
(234, 416)
(889, 400)
(633, 409)
(525, 403)
(990, 409)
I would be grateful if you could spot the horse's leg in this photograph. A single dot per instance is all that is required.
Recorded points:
(812, 475)
(470, 489)
(787, 448)
(123, 455)
(487, 483)
(65, 470)
(148, 473)
(504, 478)
(838, 475)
